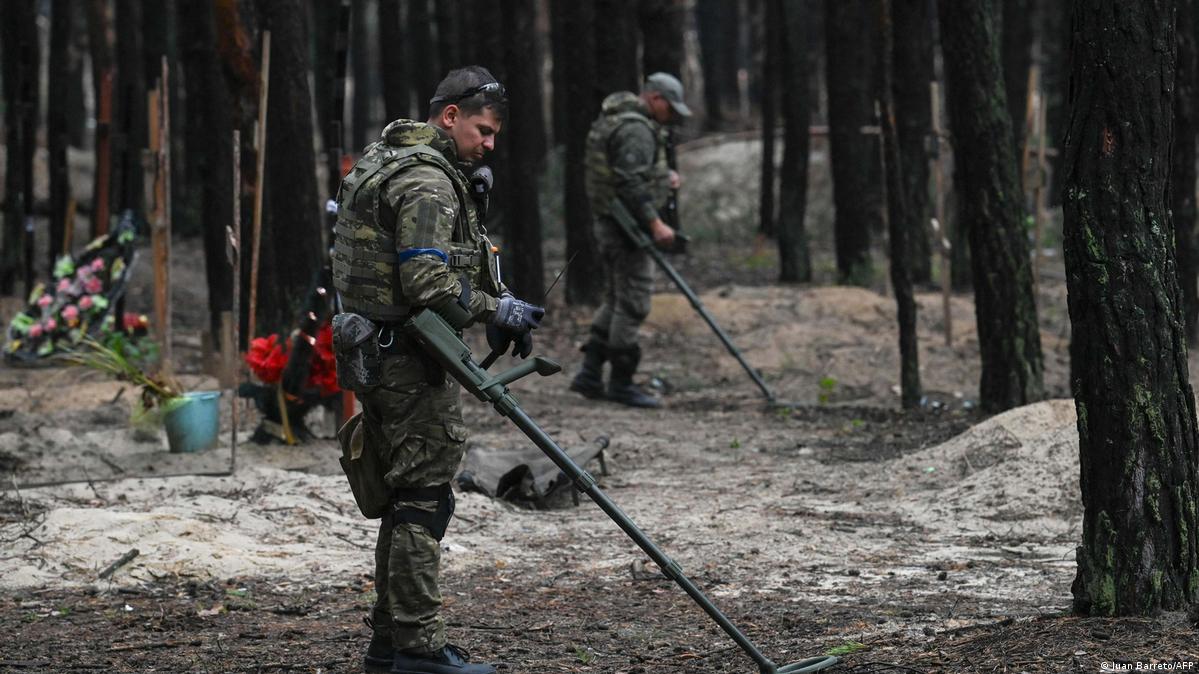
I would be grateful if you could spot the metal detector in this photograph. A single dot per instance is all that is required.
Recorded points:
(439, 341)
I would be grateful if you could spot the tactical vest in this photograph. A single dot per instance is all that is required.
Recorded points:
(601, 179)
(365, 253)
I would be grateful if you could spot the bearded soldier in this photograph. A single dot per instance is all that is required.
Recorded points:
(626, 160)
(409, 237)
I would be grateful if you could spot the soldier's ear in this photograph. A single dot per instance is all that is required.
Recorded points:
(449, 116)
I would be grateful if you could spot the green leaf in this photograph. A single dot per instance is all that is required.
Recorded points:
(64, 266)
(846, 648)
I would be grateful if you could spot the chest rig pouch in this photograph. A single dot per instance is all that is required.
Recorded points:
(356, 348)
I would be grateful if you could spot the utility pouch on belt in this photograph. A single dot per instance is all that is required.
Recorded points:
(364, 469)
(356, 346)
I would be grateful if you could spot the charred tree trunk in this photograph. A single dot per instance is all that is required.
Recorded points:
(20, 63)
(1054, 25)
(990, 206)
(291, 229)
(129, 109)
(560, 51)
(1182, 169)
(100, 39)
(616, 47)
(363, 63)
(526, 143)
(900, 220)
(795, 264)
(208, 142)
(854, 154)
(718, 23)
(1016, 43)
(393, 37)
(770, 77)
(662, 36)
(425, 71)
(912, 73)
(448, 36)
(58, 131)
(584, 277)
(1139, 449)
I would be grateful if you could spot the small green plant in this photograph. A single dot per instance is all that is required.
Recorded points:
(123, 360)
(584, 655)
(827, 386)
(856, 423)
(735, 444)
(846, 648)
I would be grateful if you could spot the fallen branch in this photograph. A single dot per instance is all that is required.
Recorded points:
(154, 644)
(125, 559)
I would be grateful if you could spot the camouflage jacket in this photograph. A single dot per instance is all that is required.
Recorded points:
(626, 158)
(408, 229)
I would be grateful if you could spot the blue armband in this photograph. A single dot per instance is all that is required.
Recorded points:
(413, 252)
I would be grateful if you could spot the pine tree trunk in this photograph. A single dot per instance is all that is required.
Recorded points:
(1138, 444)
(662, 36)
(1182, 171)
(425, 70)
(615, 47)
(208, 142)
(77, 114)
(448, 35)
(709, 20)
(20, 63)
(364, 67)
(393, 36)
(1016, 43)
(584, 277)
(1054, 27)
(900, 220)
(990, 206)
(291, 230)
(795, 265)
(769, 84)
(854, 154)
(911, 75)
(100, 39)
(58, 133)
(560, 51)
(526, 143)
(131, 133)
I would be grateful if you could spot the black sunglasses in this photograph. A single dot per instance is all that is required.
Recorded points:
(492, 87)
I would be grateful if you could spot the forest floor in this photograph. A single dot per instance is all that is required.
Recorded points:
(904, 541)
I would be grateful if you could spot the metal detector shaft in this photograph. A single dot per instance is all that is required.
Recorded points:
(642, 240)
(441, 342)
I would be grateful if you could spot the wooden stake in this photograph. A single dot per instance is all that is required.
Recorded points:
(259, 188)
(68, 232)
(1039, 190)
(941, 227)
(160, 232)
(234, 254)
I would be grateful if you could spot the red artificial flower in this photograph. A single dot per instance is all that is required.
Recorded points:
(266, 359)
(322, 375)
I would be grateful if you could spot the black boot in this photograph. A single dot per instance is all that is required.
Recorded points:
(590, 380)
(379, 655)
(449, 660)
(621, 388)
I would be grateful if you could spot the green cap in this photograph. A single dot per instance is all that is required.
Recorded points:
(671, 89)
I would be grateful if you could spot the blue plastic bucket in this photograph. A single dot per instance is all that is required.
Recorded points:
(195, 425)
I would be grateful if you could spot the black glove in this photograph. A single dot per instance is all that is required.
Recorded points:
(517, 316)
(498, 339)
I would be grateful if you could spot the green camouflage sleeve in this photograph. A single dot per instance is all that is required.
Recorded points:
(631, 154)
(426, 208)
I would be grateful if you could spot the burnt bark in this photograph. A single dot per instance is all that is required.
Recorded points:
(577, 98)
(58, 132)
(20, 63)
(899, 218)
(448, 35)
(291, 231)
(1054, 28)
(795, 264)
(661, 24)
(768, 104)
(130, 130)
(616, 47)
(854, 155)
(1182, 167)
(364, 64)
(718, 23)
(393, 37)
(990, 206)
(912, 72)
(1138, 444)
(526, 141)
(208, 143)
(425, 71)
(100, 39)
(1016, 43)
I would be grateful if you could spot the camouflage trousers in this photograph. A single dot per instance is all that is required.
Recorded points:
(417, 427)
(629, 284)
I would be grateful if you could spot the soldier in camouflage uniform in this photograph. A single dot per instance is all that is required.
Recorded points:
(408, 237)
(626, 159)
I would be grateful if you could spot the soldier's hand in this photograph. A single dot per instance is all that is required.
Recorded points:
(498, 339)
(517, 316)
(662, 233)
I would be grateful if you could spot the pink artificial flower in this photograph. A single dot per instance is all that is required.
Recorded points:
(64, 285)
(97, 264)
(44, 301)
(84, 273)
(86, 302)
(93, 285)
(51, 325)
(70, 312)
(35, 331)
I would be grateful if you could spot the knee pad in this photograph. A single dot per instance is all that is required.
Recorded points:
(436, 521)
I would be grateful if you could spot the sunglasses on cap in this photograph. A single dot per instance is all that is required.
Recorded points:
(490, 87)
